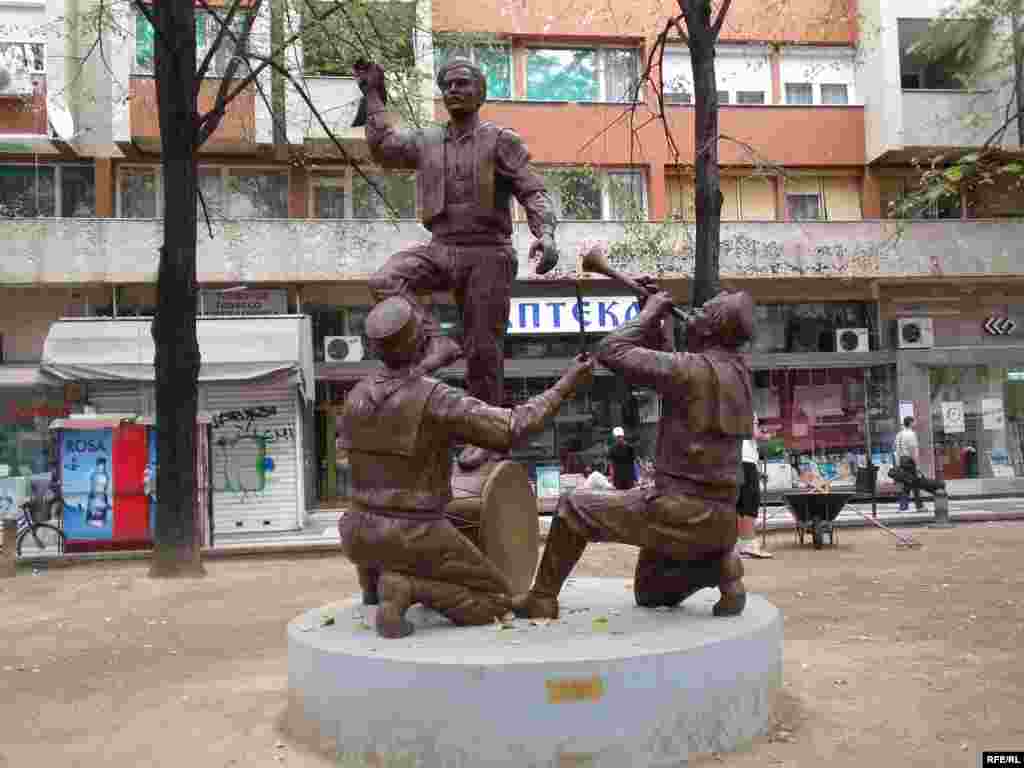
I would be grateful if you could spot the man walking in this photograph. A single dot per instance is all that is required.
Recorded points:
(906, 450)
(623, 459)
(468, 171)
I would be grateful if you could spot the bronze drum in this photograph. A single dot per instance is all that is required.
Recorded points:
(495, 508)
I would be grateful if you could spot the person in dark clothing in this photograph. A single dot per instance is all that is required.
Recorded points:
(623, 459)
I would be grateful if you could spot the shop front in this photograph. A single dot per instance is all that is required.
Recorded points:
(255, 388)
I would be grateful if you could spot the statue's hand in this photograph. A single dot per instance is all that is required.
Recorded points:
(546, 252)
(369, 76)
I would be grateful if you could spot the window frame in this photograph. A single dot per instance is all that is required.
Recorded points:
(604, 177)
(731, 90)
(601, 69)
(58, 187)
(817, 196)
(818, 66)
(785, 94)
(215, 72)
(347, 178)
(20, 41)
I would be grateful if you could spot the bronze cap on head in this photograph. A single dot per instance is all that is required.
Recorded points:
(392, 324)
(728, 318)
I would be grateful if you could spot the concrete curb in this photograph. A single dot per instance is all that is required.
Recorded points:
(333, 549)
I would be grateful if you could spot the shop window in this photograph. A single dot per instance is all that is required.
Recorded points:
(587, 74)
(331, 44)
(494, 60)
(817, 422)
(207, 28)
(976, 422)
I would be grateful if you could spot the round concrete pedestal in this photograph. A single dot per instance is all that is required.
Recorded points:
(608, 685)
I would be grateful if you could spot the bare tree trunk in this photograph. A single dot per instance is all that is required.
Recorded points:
(277, 82)
(1018, 71)
(176, 545)
(701, 41)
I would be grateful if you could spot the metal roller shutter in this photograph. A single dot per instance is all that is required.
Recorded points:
(255, 445)
(121, 397)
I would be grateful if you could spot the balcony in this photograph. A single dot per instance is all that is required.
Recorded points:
(82, 251)
(237, 131)
(949, 118)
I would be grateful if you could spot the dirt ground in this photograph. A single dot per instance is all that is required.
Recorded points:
(892, 656)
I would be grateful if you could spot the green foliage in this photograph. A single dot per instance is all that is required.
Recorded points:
(361, 29)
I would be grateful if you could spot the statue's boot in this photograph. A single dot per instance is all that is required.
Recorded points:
(462, 605)
(441, 350)
(561, 553)
(664, 582)
(368, 578)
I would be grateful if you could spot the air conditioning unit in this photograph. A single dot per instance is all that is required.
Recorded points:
(343, 349)
(915, 333)
(852, 340)
(14, 82)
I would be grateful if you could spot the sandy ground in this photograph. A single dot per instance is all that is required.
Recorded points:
(893, 656)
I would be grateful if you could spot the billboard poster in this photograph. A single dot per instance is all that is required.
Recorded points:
(149, 480)
(86, 471)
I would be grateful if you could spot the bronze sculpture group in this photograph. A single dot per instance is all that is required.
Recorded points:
(400, 426)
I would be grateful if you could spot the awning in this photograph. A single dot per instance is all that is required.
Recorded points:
(21, 376)
(231, 349)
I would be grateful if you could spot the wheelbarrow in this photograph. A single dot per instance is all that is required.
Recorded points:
(815, 514)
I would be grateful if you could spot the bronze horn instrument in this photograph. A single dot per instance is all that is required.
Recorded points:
(595, 260)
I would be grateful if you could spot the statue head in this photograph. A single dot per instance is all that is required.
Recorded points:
(726, 321)
(396, 333)
(463, 86)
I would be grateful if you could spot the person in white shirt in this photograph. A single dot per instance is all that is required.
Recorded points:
(595, 481)
(906, 450)
(749, 499)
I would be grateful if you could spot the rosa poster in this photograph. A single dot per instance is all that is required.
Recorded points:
(87, 478)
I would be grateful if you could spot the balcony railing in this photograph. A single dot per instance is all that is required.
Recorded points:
(950, 118)
(80, 251)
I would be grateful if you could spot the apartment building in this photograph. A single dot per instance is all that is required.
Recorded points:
(862, 318)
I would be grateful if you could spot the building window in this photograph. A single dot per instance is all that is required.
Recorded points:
(817, 75)
(29, 191)
(583, 194)
(207, 28)
(237, 193)
(743, 198)
(743, 75)
(804, 207)
(895, 190)
(347, 195)
(331, 46)
(588, 74)
(834, 93)
(23, 58)
(494, 60)
(799, 93)
(399, 190)
(939, 56)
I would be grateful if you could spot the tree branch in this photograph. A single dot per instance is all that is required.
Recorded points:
(716, 28)
(220, 105)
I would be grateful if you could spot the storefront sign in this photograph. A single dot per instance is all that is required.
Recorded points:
(20, 413)
(906, 409)
(271, 301)
(953, 417)
(992, 416)
(548, 482)
(561, 315)
(999, 326)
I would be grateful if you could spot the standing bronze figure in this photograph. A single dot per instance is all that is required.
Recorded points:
(685, 526)
(468, 171)
(400, 428)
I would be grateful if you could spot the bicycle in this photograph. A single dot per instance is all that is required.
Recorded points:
(43, 535)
